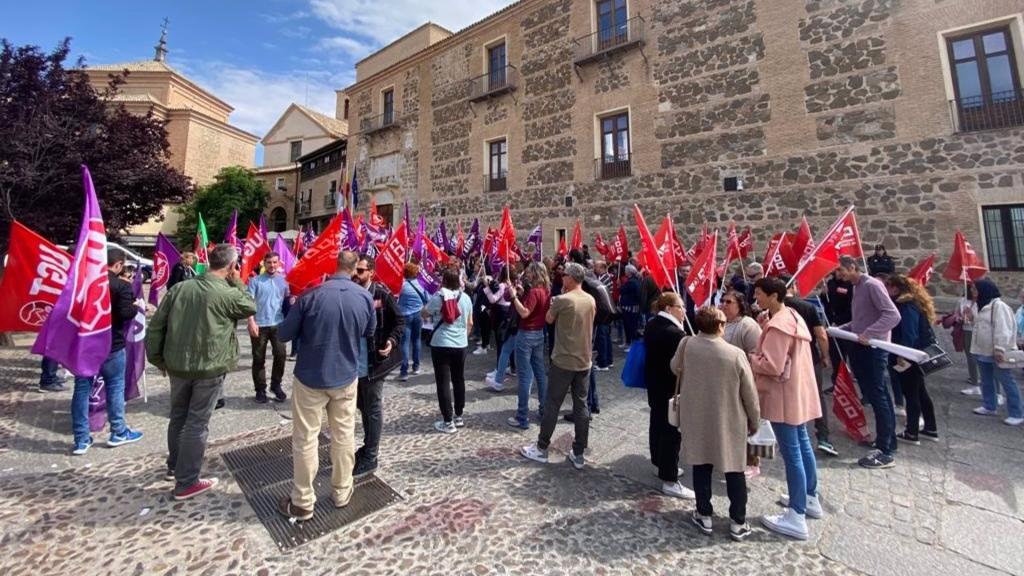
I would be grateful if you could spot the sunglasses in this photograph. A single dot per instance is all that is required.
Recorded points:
(362, 270)
(728, 301)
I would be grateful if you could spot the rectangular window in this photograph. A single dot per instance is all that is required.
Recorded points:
(334, 186)
(296, 151)
(612, 28)
(345, 116)
(279, 184)
(496, 76)
(985, 80)
(561, 235)
(497, 165)
(1004, 236)
(388, 107)
(615, 151)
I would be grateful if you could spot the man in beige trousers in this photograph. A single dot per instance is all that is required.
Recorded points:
(331, 320)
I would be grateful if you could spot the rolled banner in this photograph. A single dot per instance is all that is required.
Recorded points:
(911, 354)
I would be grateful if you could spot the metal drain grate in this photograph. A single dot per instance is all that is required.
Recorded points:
(264, 473)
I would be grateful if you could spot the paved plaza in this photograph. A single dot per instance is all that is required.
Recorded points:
(471, 505)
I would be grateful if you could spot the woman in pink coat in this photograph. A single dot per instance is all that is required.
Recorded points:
(788, 394)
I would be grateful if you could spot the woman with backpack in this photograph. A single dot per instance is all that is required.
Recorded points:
(917, 314)
(452, 311)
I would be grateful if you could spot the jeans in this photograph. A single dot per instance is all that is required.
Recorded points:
(308, 406)
(603, 343)
(991, 374)
(411, 342)
(869, 367)
(820, 424)
(919, 403)
(450, 376)
(507, 349)
(48, 373)
(562, 382)
(664, 440)
(972, 360)
(801, 467)
(735, 485)
(369, 400)
(897, 390)
(112, 372)
(530, 360)
(192, 403)
(259, 359)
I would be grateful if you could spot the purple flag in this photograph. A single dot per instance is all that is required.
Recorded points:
(472, 239)
(231, 235)
(263, 227)
(349, 238)
(308, 237)
(284, 252)
(165, 258)
(77, 332)
(134, 346)
(417, 243)
(443, 241)
(535, 243)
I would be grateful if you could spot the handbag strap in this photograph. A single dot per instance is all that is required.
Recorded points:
(682, 366)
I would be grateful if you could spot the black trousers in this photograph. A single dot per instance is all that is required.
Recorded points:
(259, 359)
(482, 321)
(369, 400)
(735, 485)
(665, 440)
(450, 376)
(919, 403)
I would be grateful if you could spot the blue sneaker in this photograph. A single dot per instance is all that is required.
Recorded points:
(82, 448)
(127, 437)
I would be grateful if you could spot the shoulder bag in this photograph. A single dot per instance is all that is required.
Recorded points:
(673, 402)
(1011, 358)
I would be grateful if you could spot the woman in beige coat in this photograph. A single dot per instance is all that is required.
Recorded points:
(717, 409)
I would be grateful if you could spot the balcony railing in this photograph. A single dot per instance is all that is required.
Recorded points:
(613, 166)
(494, 83)
(496, 182)
(331, 200)
(998, 110)
(305, 207)
(603, 42)
(379, 122)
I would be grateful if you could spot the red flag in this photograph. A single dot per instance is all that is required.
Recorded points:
(577, 237)
(620, 246)
(649, 251)
(803, 246)
(965, 262)
(846, 405)
(600, 246)
(701, 281)
(390, 263)
(321, 259)
(677, 248)
(506, 235)
(663, 242)
(732, 250)
(35, 275)
(842, 239)
(698, 247)
(563, 250)
(774, 262)
(376, 219)
(923, 271)
(488, 241)
(255, 248)
(299, 245)
(436, 252)
(746, 241)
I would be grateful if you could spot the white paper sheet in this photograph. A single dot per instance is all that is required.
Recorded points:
(911, 354)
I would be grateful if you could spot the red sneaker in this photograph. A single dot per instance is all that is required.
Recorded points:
(203, 485)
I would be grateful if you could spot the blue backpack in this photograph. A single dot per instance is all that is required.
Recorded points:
(633, 369)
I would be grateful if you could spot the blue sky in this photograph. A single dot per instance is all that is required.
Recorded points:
(257, 55)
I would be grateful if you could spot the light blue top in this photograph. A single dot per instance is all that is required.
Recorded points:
(409, 300)
(269, 293)
(450, 335)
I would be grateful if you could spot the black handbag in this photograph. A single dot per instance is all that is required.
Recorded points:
(937, 360)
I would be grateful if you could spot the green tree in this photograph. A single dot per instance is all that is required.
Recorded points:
(233, 188)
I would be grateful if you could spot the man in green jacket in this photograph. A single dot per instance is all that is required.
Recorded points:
(192, 338)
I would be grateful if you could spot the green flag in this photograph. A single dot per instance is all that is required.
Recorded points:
(202, 256)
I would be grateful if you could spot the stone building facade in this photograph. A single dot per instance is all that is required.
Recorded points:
(202, 139)
(808, 105)
(321, 178)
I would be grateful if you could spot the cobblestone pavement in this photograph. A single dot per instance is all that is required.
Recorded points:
(472, 505)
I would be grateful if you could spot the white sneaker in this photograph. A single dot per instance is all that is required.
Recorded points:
(479, 351)
(982, 411)
(814, 509)
(971, 391)
(677, 490)
(578, 462)
(1000, 400)
(789, 523)
(534, 453)
(1013, 421)
(494, 384)
(901, 411)
(703, 523)
(445, 427)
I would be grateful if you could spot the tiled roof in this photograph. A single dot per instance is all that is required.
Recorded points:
(333, 126)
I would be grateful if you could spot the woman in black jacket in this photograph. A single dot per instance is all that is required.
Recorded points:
(661, 337)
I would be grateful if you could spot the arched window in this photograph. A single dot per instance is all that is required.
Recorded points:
(279, 219)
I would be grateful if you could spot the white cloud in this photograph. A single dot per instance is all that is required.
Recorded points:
(385, 22)
(259, 97)
(351, 49)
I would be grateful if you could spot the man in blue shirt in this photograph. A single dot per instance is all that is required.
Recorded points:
(269, 290)
(332, 319)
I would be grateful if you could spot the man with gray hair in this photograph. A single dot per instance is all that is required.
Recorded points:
(874, 317)
(332, 320)
(572, 313)
(192, 338)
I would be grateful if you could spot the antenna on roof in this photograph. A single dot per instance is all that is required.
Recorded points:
(161, 47)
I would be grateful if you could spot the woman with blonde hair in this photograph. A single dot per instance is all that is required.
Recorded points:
(917, 314)
(718, 408)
